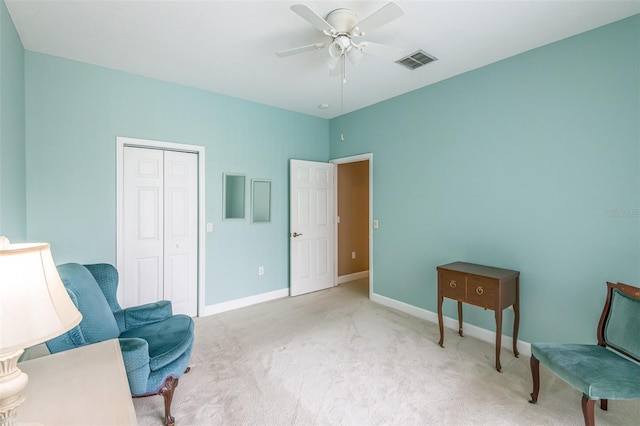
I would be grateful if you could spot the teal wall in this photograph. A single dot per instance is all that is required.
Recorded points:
(74, 113)
(12, 123)
(531, 163)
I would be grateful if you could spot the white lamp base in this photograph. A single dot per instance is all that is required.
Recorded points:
(12, 381)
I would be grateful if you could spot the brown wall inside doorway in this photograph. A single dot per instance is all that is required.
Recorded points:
(353, 210)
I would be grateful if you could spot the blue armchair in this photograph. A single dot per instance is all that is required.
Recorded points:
(156, 345)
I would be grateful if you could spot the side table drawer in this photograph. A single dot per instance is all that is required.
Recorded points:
(452, 285)
(482, 292)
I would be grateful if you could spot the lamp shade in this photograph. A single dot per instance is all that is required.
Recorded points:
(34, 304)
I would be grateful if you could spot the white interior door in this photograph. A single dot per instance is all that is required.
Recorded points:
(160, 221)
(311, 227)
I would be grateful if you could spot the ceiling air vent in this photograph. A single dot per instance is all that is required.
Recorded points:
(416, 60)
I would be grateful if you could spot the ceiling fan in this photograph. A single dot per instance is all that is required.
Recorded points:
(342, 26)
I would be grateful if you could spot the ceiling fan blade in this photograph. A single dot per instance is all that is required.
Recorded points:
(381, 17)
(375, 49)
(300, 49)
(313, 18)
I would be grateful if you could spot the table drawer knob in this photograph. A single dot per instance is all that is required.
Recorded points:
(453, 284)
(479, 291)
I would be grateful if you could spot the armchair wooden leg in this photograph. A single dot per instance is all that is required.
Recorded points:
(587, 411)
(166, 391)
(535, 375)
(604, 404)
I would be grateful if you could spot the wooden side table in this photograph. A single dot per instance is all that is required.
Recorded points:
(83, 386)
(483, 286)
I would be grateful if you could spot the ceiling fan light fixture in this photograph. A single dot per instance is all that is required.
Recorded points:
(340, 46)
(335, 50)
(332, 62)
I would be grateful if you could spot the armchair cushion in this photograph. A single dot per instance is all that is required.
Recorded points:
(595, 371)
(167, 339)
(137, 316)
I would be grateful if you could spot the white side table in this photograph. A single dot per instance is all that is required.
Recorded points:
(83, 386)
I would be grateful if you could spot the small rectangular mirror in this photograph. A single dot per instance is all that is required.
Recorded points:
(260, 201)
(233, 196)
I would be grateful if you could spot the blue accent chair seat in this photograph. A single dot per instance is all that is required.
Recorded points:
(608, 370)
(156, 345)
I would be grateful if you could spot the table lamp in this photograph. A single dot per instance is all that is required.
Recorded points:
(34, 307)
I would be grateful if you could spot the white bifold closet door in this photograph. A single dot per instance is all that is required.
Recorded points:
(160, 228)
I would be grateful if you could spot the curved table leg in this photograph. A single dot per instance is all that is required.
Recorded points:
(498, 338)
(441, 342)
(516, 319)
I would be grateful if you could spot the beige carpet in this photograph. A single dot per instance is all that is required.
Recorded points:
(335, 358)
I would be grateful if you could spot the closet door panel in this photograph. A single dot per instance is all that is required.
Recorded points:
(181, 231)
(143, 219)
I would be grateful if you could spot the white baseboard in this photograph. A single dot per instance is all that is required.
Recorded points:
(245, 301)
(353, 277)
(469, 329)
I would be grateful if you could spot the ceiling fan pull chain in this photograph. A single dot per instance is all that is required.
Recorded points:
(344, 69)
(343, 80)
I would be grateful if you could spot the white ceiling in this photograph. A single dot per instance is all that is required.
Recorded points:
(228, 47)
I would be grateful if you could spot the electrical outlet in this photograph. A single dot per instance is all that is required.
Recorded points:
(375, 223)
(261, 270)
(353, 254)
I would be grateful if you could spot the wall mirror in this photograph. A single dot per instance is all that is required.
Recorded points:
(233, 196)
(260, 200)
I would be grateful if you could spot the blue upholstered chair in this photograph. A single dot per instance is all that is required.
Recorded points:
(156, 345)
(608, 370)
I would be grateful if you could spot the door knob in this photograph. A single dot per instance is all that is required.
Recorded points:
(295, 234)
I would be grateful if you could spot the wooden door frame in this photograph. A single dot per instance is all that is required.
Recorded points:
(353, 159)
(121, 142)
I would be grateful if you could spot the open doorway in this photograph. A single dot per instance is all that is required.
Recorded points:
(354, 222)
